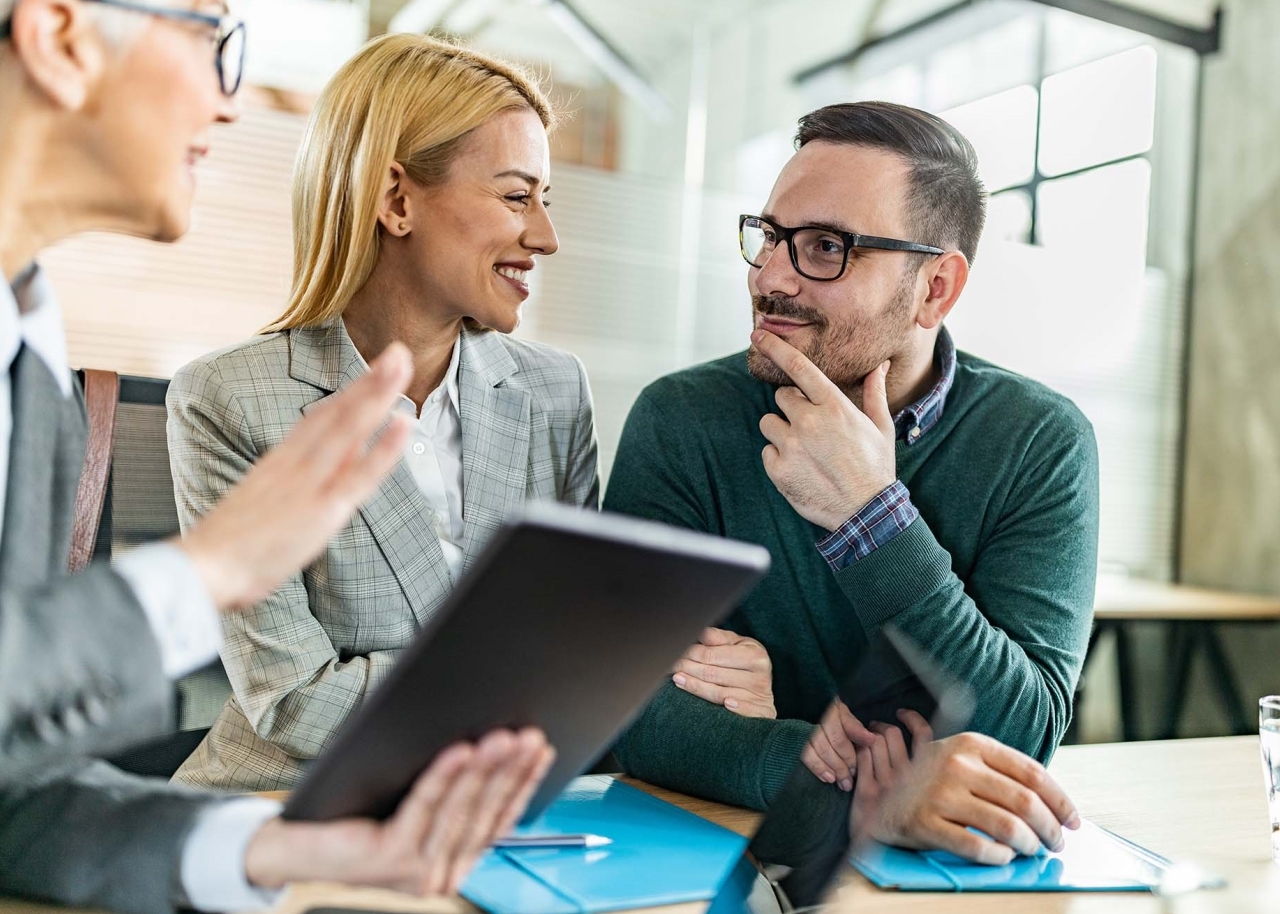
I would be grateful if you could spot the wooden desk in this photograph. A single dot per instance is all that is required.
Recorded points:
(1190, 615)
(1135, 599)
(1198, 800)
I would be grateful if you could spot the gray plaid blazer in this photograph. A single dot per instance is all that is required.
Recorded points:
(303, 659)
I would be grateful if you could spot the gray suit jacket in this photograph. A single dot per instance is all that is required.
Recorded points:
(303, 659)
(79, 672)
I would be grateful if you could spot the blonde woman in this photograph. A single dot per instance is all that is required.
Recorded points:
(419, 208)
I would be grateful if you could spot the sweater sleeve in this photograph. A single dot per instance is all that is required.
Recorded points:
(1016, 630)
(681, 741)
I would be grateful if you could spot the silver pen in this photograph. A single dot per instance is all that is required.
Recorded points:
(514, 841)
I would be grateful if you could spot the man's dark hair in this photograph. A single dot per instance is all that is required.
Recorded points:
(946, 202)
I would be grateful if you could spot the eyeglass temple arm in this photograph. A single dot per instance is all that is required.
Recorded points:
(892, 244)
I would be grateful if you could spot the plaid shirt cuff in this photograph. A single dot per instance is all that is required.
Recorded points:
(883, 518)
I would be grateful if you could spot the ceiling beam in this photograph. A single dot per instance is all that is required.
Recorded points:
(1202, 41)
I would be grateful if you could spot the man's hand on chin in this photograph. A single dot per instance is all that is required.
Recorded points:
(826, 456)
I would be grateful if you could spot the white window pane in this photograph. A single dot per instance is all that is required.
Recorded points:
(1101, 214)
(1072, 40)
(1002, 128)
(1009, 216)
(1101, 111)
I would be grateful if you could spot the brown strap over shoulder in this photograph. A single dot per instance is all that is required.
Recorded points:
(101, 395)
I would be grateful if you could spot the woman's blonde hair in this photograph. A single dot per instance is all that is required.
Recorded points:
(406, 98)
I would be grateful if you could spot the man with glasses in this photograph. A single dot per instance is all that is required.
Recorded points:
(105, 108)
(894, 479)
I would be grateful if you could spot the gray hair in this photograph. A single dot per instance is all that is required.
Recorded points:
(116, 25)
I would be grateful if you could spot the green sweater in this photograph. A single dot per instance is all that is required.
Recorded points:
(994, 581)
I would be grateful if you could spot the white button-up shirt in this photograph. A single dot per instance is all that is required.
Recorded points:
(173, 598)
(433, 455)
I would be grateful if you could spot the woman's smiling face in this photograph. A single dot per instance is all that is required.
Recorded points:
(474, 237)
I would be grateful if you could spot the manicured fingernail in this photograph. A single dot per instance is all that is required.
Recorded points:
(846, 785)
(731, 704)
(828, 777)
(1059, 847)
(679, 679)
(1074, 821)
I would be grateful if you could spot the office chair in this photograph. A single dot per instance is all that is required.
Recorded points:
(126, 499)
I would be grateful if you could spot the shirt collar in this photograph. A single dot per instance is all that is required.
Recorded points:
(29, 313)
(450, 382)
(451, 374)
(915, 421)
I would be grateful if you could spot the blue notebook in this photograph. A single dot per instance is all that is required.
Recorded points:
(660, 854)
(1094, 860)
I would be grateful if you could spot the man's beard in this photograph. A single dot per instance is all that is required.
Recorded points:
(845, 351)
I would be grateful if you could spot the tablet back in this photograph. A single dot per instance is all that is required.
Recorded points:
(569, 621)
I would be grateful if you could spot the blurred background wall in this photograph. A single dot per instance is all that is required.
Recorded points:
(1231, 508)
(1126, 172)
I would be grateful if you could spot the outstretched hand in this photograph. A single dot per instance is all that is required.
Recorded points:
(470, 795)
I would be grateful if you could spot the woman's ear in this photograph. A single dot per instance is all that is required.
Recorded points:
(60, 49)
(395, 214)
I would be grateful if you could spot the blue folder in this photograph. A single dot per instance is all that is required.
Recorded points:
(1094, 860)
(660, 855)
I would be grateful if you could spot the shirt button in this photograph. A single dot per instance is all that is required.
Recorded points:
(419, 448)
(914, 433)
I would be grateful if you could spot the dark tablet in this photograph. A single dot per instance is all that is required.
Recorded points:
(569, 621)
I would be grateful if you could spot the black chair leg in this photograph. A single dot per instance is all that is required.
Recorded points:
(1225, 681)
(1129, 728)
(1181, 641)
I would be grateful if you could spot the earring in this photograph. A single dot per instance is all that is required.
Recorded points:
(403, 226)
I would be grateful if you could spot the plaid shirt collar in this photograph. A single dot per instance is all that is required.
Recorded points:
(915, 421)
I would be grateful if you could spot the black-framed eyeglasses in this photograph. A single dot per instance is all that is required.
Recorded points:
(229, 37)
(817, 252)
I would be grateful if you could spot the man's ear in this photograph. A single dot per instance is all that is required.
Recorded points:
(395, 213)
(946, 277)
(58, 45)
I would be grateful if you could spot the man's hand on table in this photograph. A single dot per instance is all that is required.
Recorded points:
(930, 798)
(826, 456)
(470, 795)
(831, 753)
(727, 669)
